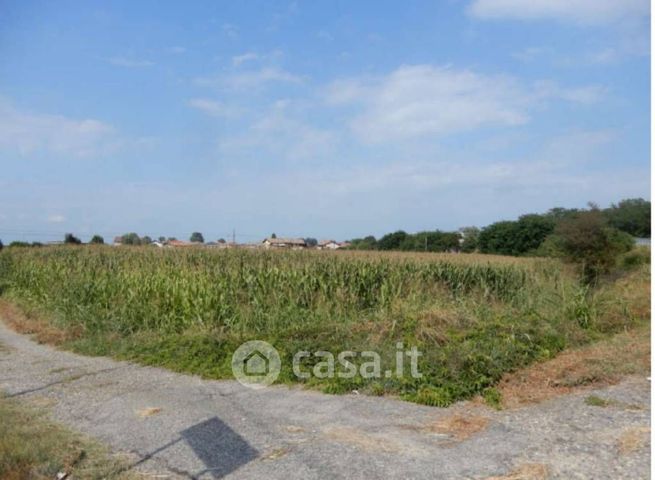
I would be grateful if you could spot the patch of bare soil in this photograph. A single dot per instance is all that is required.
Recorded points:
(460, 426)
(633, 439)
(529, 471)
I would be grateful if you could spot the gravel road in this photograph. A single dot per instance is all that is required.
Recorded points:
(181, 426)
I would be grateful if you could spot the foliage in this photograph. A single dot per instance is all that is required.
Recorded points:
(631, 215)
(1, 245)
(311, 242)
(474, 317)
(18, 243)
(366, 243)
(590, 243)
(33, 447)
(516, 237)
(392, 241)
(470, 239)
(196, 237)
(97, 240)
(71, 239)
(131, 239)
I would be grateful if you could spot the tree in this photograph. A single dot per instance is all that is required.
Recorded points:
(588, 241)
(532, 230)
(196, 237)
(631, 215)
(161, 239)
(18, 243)
(498, 238)
(470, 237)
(146, 240)
(97, 240)
(1, 245)
(311, 242)
(366, 243)
(221, 240)
(273, 235)
(516, 237)
(392, 241)
(71, 239)
(131, 239)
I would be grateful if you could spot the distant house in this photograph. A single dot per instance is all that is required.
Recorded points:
(118, 241)
(292, 243)
(181, 243)
(344, 244)
(328, 245)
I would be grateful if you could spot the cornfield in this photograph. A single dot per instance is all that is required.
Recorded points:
(474, 317)
(134, 289)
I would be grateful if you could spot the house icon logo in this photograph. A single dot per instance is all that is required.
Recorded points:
(256, 364)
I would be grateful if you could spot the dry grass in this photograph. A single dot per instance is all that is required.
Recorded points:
(599, 364)
(32, 447)
(633, 439)
(24, 321)
(148, 412)
(363, 440)
(529, 471)
(460, 426)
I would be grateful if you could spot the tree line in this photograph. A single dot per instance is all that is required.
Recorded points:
(592, 238)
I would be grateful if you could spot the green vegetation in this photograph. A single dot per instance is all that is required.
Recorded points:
(97, 240)
(197, 237)
(72, 239)
(529, 235)
(631, 216)
(33, 447)
(596, 401)
(474, 317)
(589, 242)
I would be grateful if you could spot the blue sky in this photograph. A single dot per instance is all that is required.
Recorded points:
(323, 119)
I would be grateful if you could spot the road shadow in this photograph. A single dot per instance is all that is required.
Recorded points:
(217, 446)
(220, 448)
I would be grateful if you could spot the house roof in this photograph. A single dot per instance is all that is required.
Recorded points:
(286, 241)
(180, 243)
(118, 239)
(322, 243)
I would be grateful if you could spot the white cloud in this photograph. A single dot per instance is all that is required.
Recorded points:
(129, 62)
(28, 132)
(424, 100)
(281, 134)
(214, 108)
(251, 79)
(586, 95)
(243, 58)
(576, 11)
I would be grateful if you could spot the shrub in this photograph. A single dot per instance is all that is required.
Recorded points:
(589, 242)
(97, 240)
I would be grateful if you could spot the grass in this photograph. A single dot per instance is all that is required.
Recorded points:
(32, 447)
(596, 401)
(474, 317)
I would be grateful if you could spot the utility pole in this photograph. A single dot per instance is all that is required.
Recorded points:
(234, 236)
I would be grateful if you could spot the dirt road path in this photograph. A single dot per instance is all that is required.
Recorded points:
(191, 428)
